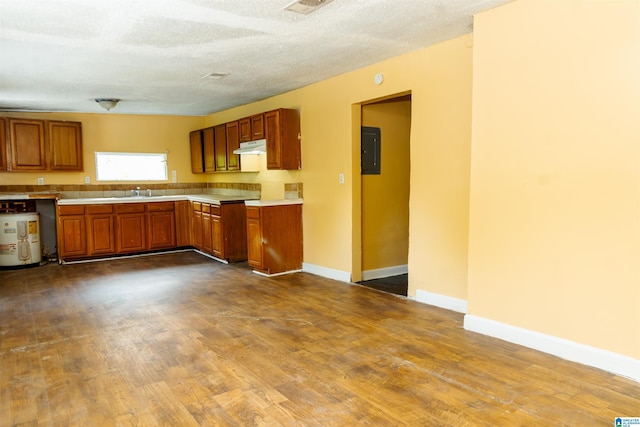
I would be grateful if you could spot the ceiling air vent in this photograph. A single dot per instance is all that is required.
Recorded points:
(306, 6)
(215, 76)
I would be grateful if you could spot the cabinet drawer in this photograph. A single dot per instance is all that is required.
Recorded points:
(253, 212)
(160, 206)
(206, 208)
(215, 210)
(130, 208)
(71, 210)
(99, 209)
(197, 207)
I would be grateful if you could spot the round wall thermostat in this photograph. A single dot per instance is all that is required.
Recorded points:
(378, 78)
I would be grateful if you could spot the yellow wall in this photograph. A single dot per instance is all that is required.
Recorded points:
(554, 242)
(117, 132)
(439, 79)
(385, 197)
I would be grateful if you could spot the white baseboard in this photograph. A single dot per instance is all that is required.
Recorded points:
(381, 273)
(330, 273)
(602, 359)
(260, 273)
(442, 301)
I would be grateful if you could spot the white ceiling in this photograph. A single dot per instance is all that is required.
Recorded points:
(59, 55)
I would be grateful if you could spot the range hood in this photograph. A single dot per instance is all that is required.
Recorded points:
(252, 147)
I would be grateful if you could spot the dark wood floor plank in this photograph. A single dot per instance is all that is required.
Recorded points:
(179, 339)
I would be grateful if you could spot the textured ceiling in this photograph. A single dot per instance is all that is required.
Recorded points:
(59, 55)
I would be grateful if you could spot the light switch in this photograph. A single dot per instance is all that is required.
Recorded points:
(341, 178)
(40, 181)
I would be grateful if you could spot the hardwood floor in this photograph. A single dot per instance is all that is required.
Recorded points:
(398, 285)
(181, 340)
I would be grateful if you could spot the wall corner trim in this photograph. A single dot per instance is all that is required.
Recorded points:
(442, 301)
(602, 359)
(329, 273)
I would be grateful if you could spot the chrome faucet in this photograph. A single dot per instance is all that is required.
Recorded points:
(136, 192)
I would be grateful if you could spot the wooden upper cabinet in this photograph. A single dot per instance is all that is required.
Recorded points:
(251, 128)
(27, 145)
(245, 129)
(65, 145)
(282, 131)
(3, 144)
(257, 127)
(195, 141)
(233, 143)
(208, 150)
(220, 139)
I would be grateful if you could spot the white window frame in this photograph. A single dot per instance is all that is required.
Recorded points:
(118, 166)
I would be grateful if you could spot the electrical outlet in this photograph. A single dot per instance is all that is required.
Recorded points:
(341, 178)
(87, 180)
(174, 176)
(40, 181)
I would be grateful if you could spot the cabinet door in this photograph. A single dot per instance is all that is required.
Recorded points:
(162, 226)
(254, 241)
(197, 230)
(233, 142)
(183, 223)
(65, 145)
(217, 248)
(101, 234)
(245, 129)
(257, 127)
(131, 232)
(272, 133)
(208, 150)
(197, 162)
(206, 233)
(282, 132)
(3, 144)
(220, 140)
(27, 144)
(72, 236)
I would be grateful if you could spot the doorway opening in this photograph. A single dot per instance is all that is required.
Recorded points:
(384, 196)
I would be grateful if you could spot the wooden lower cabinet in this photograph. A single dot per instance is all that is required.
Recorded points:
(162, 225)
(100, 230)
(220, 230)
(183, 223)
(254, 239)
(130, 234)
(196, 225)
(274, 238)
(229, 231)
(207, 245)
(72, 232)
(89, 231)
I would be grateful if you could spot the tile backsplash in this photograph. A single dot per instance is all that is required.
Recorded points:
(123, 190)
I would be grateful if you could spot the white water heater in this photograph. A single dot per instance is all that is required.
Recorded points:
(20, 239)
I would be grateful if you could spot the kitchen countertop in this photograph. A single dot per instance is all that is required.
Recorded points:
(279, 202)
(15, 196)
(215, 199)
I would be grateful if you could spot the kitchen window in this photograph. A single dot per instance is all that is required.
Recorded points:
(131, 166)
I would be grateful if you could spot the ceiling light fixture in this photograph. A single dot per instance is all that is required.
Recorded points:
(306, 6)
(107, 103)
